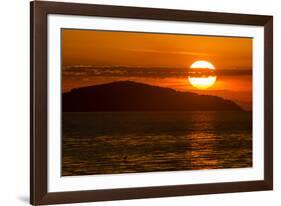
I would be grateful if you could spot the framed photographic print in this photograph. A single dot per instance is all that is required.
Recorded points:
(131, 102)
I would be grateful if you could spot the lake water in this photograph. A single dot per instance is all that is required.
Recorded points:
(125, 142)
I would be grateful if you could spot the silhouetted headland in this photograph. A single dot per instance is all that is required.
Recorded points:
(133, 96)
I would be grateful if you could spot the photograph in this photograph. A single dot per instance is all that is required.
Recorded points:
(135, 102)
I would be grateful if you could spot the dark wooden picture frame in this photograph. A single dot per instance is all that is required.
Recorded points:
(39, 194)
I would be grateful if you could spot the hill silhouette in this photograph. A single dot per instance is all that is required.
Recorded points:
(134, 96)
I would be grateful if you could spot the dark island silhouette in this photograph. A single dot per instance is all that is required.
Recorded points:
(133, 96)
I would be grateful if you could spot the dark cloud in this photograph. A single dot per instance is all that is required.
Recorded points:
(126, 71)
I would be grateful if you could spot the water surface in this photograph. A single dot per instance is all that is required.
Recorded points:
(125, 142)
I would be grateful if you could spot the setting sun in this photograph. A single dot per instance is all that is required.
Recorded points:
(201, 75)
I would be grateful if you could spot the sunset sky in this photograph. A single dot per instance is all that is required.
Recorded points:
(93, 57)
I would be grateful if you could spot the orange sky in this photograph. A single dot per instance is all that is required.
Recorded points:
(92, 57)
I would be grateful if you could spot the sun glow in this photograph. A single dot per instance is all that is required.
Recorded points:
(202, 65)
(201, 75)
(202, 83)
